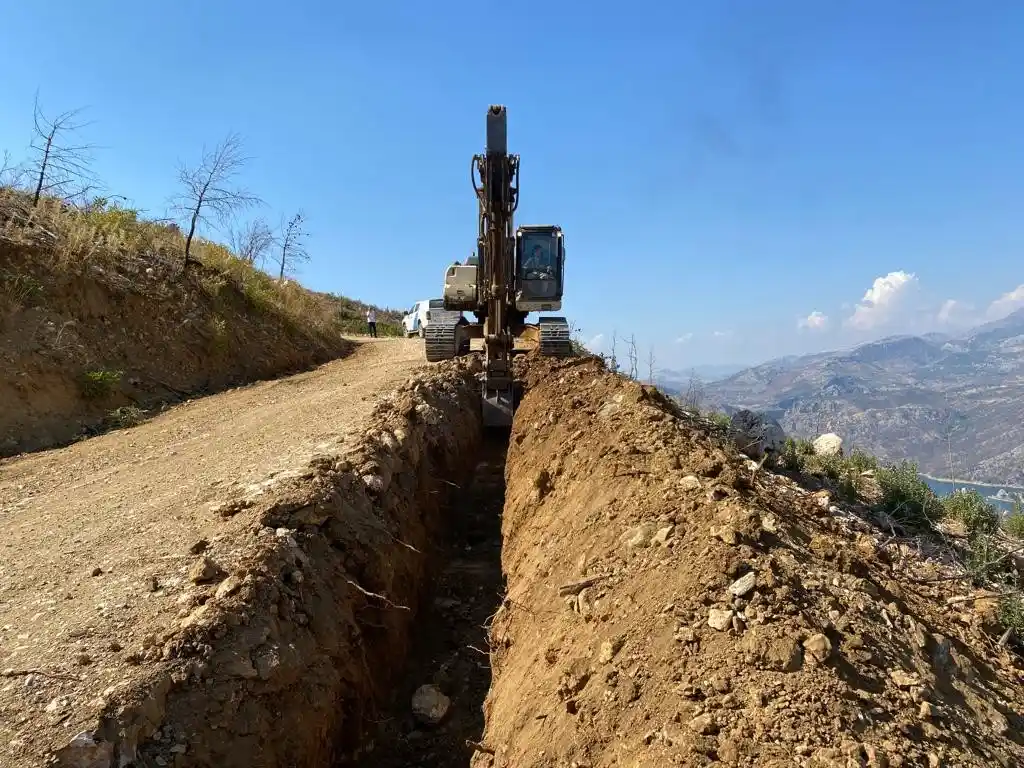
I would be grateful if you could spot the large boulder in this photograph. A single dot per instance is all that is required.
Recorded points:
(757, 433)
(829, 444)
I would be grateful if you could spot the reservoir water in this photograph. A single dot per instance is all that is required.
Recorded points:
(999, 496)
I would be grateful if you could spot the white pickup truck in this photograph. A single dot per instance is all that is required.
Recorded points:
(419, 317)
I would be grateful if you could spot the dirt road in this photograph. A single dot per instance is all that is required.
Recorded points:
(98, 534)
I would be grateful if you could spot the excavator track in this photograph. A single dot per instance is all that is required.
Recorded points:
(444, 342)
(439, 340)
(555, 337)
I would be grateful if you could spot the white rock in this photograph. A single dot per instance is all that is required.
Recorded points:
(719, 619)
(690, 483)
(429, 705)
(829, 444)
(744, 585)
(640, 536)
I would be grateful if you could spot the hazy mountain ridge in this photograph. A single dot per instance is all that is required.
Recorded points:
(916, 397)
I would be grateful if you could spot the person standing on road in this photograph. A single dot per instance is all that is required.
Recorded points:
(371, 321)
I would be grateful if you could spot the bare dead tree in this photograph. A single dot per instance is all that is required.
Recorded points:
(293, 249)
(694, 397)
(11, 174)
(633, 358)
(614, 364)
(650, 366)
(952, 422)
(59, 166)
(252, 241)
(208, 195)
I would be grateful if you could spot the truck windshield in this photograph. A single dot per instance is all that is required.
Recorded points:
(539, 257)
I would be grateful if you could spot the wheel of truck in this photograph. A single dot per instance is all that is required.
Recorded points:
(422, 332)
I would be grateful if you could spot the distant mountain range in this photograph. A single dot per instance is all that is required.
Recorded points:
(671, 379)
(953, 404)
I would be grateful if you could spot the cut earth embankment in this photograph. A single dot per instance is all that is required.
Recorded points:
(234, 582)
(669, 603)
(92, 344)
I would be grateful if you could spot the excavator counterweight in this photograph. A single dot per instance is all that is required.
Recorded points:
(515, 271)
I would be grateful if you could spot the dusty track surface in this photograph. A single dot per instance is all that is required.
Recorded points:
(669, 606)
(142, 584)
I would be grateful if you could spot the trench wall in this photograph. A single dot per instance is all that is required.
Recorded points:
(668, 603)
(285, 663)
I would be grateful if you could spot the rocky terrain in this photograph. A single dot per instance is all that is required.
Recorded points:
(955, 405)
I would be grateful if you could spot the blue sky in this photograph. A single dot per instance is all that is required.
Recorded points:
(719, 167)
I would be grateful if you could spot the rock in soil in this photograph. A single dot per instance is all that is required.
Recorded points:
(429, 705)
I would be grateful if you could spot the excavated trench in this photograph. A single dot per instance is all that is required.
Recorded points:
(450, 645)
(307, 652)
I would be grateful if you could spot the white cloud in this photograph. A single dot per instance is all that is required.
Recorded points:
(882, 300)
(721, 334)
(816, 321)
(596, 343)
(684, 338)
(1007, 303)
(954, 312)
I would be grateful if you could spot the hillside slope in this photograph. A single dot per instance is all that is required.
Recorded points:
(902, 397)
(98, 321)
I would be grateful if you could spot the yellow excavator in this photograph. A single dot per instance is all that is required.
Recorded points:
(517, 270)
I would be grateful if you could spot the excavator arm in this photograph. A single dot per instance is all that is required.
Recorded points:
(498, 196)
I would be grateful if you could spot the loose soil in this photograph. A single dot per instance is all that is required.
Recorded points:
(114, 547)
(669, 603)
(450, 635)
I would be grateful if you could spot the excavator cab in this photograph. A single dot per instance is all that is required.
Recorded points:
(540, 264)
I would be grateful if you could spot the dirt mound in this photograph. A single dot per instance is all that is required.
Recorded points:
(669, 605)
(233, 582)
(98, 323)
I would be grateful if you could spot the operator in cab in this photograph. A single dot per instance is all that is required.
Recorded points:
(539, 260)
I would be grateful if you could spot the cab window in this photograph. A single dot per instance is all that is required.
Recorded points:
(539, 259)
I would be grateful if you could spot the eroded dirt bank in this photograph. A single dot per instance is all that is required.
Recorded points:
(81, 346)
(667, 605)
(209, 589)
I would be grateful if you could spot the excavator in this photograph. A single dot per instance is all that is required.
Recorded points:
(515, 271)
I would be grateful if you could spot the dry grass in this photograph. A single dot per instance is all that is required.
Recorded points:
(103, 235)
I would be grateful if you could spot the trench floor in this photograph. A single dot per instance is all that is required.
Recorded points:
(449, 643)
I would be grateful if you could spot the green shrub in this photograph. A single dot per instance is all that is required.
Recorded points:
(862, 462)
(791, 457)
(986, 559)
(1011, 614)
(720, 419)
(971, 509)
(1014, 522)
(907, 497)
(98, 384)
(832, 467)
